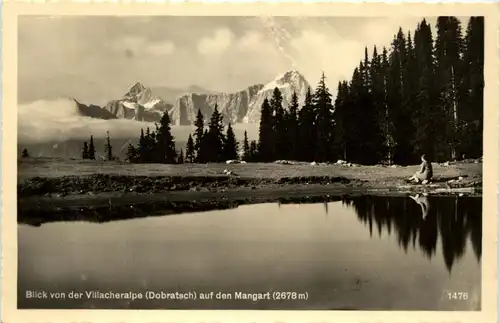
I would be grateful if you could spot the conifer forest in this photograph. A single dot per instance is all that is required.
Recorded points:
(422, 94)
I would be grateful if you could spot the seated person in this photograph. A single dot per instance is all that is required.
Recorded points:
(424, 175)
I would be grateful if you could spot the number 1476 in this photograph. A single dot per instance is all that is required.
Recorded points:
(458, 296)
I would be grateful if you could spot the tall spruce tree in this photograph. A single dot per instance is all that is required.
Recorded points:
(108, 149)
(322, 102)
(205, 148)
(91, 152)
(215, 140)
(164, 145)
(376, 86)
(371, 137)
(246, 148)
(142, 147)
(230, 150)
(410, 94)
(386, 123)
(307, 129)
(340, 116)
(397, 114)
(292, 129)
(427, 116)
(254, 152)
(190, 152)
(266, 133)
(150, 146)
(471, 92)
(355, 131)
(132, 154)
(279, 125)
(449, 50)
(180, 158)
(85, 151)
(198, 137)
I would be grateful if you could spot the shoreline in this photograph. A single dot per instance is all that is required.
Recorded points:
(111, 206)
(49, 189)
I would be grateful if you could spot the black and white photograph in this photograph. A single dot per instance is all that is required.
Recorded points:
(256, 162)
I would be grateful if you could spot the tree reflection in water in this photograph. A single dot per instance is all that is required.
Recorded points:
(421, 220)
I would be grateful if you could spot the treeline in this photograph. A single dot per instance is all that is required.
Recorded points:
(420, 95)
(88, 151)
(157, 146)
(214, 144)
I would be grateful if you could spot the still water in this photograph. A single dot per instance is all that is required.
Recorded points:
(360, 253)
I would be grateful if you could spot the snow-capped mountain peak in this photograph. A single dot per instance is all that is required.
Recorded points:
(291, 78)
(135, 90)
(243, 106)
(138, 104)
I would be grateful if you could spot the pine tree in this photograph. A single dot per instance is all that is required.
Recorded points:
(142, 148)
(266, 133)
(279, 125)
(379, 105)
(307, 129)
(397, 114)
(85, 151)
(322, 102)
(24, 153)
(246, 148)
(427, 116)
(386, 122)
(254, 151)
(164, 146)
(190, 152)
(369, 140)
(449, 49)
(215, 140)
(150, 146)
(198, 136)
(341, 120)
(355, 132)
(132, 154)
(91, 151)
(230, 145)
(180, 158)
(471, 91)
(108, 149)
(205, 148)
(292, 129)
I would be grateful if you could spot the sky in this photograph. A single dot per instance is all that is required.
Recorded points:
(97, 58)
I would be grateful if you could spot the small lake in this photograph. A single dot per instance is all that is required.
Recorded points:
(380, 253)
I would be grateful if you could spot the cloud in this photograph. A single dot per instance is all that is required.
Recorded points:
(139, 45)
(328, 50)
(59, 120)
(252, 40)
(315, 52)
(219, 42)
(59, 57)
(161, 48)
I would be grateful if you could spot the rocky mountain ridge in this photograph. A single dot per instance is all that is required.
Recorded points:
(243, 106)
(240, 107)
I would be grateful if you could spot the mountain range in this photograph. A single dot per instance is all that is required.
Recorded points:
(148, 104)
